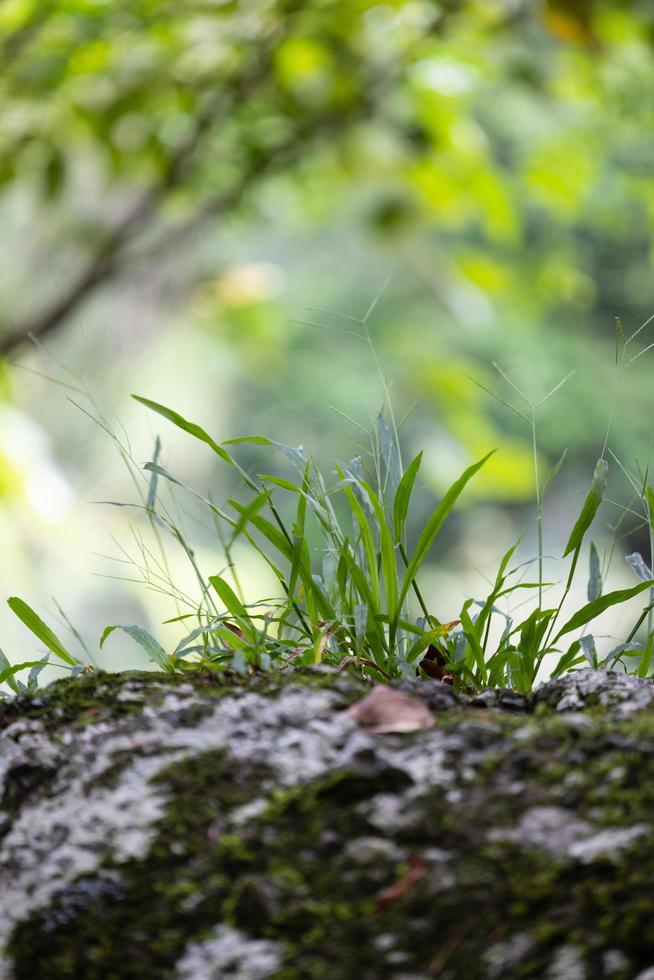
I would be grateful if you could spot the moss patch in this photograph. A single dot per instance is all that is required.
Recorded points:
(434, 890)
(97, 697)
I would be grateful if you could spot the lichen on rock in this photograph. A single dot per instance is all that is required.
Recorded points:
(192, 827)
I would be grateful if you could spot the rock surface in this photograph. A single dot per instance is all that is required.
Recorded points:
(190, 828)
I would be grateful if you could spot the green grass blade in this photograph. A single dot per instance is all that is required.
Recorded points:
(154, 478)
(301, 555)
(403, 497)
(639, 566)
(435, 523)
(367, 542)
(8, 670)
(553, 473)
(594, 575)
(191, 427)
(650, 500)
(597, 606)
(386, 552)
(591, 505)
(146, 641)
(250, 511)
(568, 660)
(156, 468)
(229, 598)
(276, 538)
(470, 634)
(279, 482)
(43, 632)
(387, 445)
(646, 659)
(252, 440)
(388, 564)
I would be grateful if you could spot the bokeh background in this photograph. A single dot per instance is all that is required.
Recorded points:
(186, 188)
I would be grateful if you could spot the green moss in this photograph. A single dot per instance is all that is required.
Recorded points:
(21, 785)
(83, 701)
(95, 697)
(292, 873)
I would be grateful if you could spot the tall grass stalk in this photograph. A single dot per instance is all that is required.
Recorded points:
(355, 601)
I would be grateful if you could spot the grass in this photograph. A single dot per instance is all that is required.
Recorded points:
(349, 592)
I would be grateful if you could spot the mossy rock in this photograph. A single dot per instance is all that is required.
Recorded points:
(193, 828)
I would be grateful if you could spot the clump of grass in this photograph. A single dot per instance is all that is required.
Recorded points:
(352, 598)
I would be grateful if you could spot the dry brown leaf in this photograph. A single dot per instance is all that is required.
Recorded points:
(416, 869)
(433, 665)
(387, 710)
(433, 662)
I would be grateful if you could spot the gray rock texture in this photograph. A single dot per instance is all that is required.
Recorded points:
(192, 827)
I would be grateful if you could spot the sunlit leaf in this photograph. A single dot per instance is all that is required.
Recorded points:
(43, 632)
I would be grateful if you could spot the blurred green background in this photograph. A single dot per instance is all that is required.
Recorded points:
(182, 184)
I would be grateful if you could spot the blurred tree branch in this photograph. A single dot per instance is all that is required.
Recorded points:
(198, 102)
(224, 102)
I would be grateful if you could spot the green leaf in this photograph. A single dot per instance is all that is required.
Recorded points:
(639, 566)
(367, 542)
(597, 606)
(591, 505)
(587, 646)
(595, 575)
(553, 473)
(147, 642)
(248, 513)
(403, 496)
(277, 538)
(301, 554)
(279, 482)
(160, 471)
(568, 660)
(231, 601)
(194, 430)
(387, 555)
(43, 632)
(389, 454)
(8, 670)
(620, 340)
(646, 659)
(253, 440)
(435, 523)
(154, 479)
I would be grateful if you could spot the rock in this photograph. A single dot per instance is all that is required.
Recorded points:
(200, 827)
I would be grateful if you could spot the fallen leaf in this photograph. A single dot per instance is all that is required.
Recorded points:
(386, 710)
(433, 664)
(416, 869)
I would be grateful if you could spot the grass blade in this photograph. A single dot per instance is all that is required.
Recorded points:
(191, 427)
(43, 632)
(403, 496)
(595, 575)
(154, 478)
(598, 606)
(646, 659)
(435, 523)
(8, 670)
(592, 502)
(147, 642)
(227, 595)
(367, 542)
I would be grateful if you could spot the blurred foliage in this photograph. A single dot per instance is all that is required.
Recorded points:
(181, 179)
